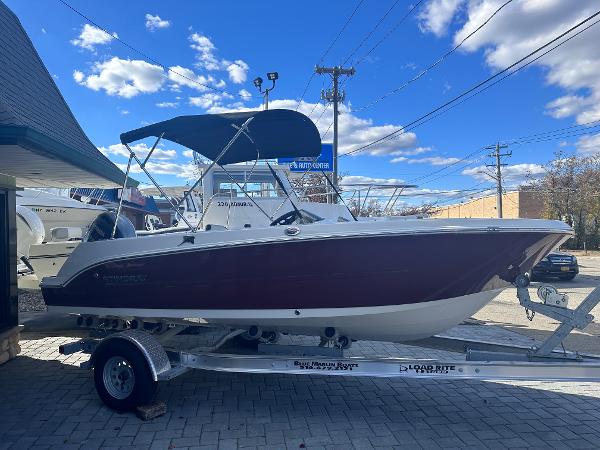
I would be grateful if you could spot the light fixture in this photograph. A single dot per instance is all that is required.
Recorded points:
(258, 81)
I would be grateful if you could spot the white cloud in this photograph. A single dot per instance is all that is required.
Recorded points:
(589, 145)
(353, 131)
(205, 48)
(123, 77)
(209, 100)
(140, 149)
(91, 36)
(182, 76)
(188, 153)
(411, 151)
(361, 179)
(244, 94)
(124, 112)
(186, 171)
(44, 30)
(433, 160)
(155, 22)
(167, 104)
(437, 16)
(511, 175)
(78, 76)
(568, 105)
(206, 59)
(238, 71)
(524, 26)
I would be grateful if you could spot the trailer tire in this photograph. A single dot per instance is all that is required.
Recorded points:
(122, 376)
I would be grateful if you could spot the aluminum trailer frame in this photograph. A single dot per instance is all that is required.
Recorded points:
(151, 361)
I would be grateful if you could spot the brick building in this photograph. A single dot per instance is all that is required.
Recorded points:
(515, 204)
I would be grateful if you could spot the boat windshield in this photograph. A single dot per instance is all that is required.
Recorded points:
(262, 185)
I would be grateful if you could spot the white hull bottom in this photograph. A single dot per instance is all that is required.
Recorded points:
(394, 323)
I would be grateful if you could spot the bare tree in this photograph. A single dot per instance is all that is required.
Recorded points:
(312, 186)
(423, 209)
(570, 191)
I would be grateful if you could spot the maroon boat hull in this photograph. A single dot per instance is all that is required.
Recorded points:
(342, 272)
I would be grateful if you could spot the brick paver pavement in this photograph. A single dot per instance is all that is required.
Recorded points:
(47, 401)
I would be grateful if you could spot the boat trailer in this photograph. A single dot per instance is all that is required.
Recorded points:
(128, 363)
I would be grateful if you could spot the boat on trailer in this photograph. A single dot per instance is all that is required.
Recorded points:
(341, 279)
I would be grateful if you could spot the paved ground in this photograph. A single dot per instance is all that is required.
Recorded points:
(504, 310)
(46, 401)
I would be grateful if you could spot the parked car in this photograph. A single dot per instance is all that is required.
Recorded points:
(556, 265)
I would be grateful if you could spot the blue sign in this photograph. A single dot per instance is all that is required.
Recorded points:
(324, 163)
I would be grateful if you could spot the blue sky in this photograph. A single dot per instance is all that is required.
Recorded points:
(112, 89)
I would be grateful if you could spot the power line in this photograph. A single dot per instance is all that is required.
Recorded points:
(326, 52)
(558, 137)
(556, 130)
(147, 57)
(513, 142)
(387, 35)
(479, 159)
(571, 131)
(459, 168)
(432, 65)
(449, 104)
(391, 31)
(366, 38)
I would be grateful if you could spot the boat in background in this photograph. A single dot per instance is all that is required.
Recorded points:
(57, 211)
(49, 228)
(378, 279)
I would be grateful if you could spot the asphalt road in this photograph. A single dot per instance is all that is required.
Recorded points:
(506, 312)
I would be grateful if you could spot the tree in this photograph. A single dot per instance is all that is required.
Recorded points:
(570, 191)
(311, 187)
(423, 209)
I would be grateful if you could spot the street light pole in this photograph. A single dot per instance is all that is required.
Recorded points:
(258, 81)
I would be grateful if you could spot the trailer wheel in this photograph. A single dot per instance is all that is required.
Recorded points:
(122, 377)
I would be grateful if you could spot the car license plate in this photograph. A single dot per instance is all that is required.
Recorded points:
(564, 269)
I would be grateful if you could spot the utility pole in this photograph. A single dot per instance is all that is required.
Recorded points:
(334, 96)
(498, 177)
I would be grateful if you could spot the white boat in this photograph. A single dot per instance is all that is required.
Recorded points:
(58, 211)
(49, 228)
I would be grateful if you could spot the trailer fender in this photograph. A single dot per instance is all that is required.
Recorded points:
(153, 351)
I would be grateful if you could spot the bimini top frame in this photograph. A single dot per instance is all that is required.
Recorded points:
(270, 134)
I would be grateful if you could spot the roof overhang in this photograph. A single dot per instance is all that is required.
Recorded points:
(36, 160)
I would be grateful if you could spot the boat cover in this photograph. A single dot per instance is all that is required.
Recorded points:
(276, 133)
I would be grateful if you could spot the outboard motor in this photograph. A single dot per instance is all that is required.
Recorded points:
(102, 228)
(30, 231)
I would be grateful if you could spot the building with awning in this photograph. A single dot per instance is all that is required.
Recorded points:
(41, 144)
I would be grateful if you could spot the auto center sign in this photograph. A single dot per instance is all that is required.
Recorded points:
(324, 163)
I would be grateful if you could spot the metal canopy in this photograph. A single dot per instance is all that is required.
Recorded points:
(275, 133)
